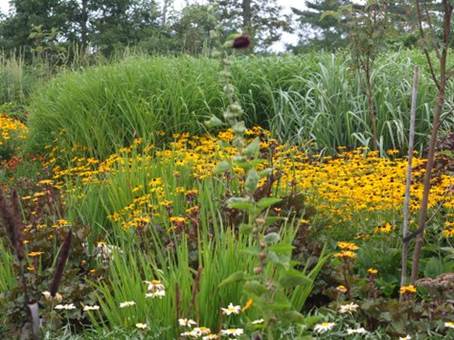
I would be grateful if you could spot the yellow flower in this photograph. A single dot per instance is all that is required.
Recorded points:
(384, 229)
(447, 233)
(393, 152)
(177, 220)
(342, 289)
(345, 254)
(410, 289)
(372, 271)
(347, 246)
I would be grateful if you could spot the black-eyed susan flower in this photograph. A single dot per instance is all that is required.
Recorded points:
(410, 289)
(372, 271)
(345, 255)
(347, 246)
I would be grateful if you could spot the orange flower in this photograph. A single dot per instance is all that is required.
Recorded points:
(35, 253)
(248, 305)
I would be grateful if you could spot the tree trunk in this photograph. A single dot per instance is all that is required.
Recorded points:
(84, 26)
(370, 104)
(441, 85)
(427, 182)
(247, 16)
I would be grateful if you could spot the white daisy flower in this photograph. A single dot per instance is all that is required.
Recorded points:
(324, 327)
(210, 337)
(231, 309)
(157, 294)
(58, 297)
(408, 337)
(155, 289)
(186, 322)
(88, 308)
(197, 332)
(232, 331)
(258, 321)
(69, 306)
(141, 325)
(360, 330)
(127, 304)
(348, 308)
(449, 324)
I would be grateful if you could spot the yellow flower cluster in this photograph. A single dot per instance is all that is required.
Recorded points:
(347, 250)
(383, 229)
(410, 289)
(11, 128)
(448, 230)
(352, 187)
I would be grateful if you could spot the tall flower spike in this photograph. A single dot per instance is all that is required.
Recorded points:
(61, 264)
(12, 219)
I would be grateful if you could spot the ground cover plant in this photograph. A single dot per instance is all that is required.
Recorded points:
(233, 196)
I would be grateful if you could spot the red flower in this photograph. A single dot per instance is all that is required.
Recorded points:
(242, 41)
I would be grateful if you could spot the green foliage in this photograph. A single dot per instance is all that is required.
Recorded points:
(317, 99)
(7, 273)
(199, 296)
(319, 30)
(263, 20)
(114, 104)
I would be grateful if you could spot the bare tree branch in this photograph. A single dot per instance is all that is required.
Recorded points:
(426, 52)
